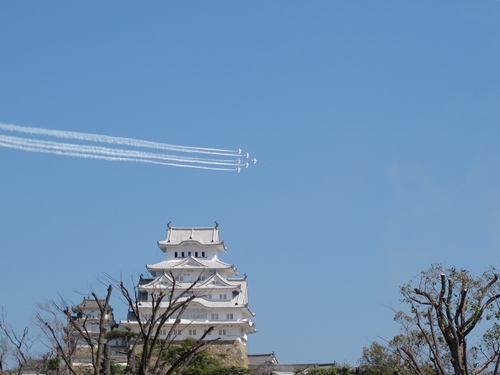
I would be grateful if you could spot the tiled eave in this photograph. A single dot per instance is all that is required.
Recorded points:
(207, 304)
(197, 289)
(170, 265)
(164, 245)
(186, 322)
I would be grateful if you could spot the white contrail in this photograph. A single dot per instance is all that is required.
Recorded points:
(111, 158)
(116, 140)
(71, 147)
(230, 158)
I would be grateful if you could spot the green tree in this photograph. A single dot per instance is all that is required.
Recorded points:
(386, 360)
(334, 370)
(54, 363)
(116, 369)
(445, 306)
(379, 360)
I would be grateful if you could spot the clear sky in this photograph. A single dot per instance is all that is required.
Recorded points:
(376, 125)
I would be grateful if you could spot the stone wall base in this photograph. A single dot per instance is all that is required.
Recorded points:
(229, 353)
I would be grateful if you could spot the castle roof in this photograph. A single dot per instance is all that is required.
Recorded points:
(200, 236)
(207, 304)
(189, 263)
(246, 324)
(261, 359)
(90, 304)
(215, 284)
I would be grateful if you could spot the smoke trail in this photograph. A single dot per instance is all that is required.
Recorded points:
(232, 158)
(109, 158)
(71, 147)
(115, 140)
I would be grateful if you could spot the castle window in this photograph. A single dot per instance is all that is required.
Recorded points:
(209, 333)
(229, 316)
(214, 316)
(192, 332)
(196, 254)
(209, 296)
(222, 296)
(182, 254)
(222, 332)
(203, 254)
(177, 332)
(176, 255)
(189, 254)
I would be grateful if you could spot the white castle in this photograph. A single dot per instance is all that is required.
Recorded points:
(221, 297)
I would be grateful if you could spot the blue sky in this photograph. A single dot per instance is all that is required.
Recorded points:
(376, 126)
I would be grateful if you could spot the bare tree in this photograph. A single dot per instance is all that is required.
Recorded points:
(129, 338)
(446, 305)
(54, 327)
(166, 303)
(18, 346)
(152, 334)
(4, 351)
(64, 331)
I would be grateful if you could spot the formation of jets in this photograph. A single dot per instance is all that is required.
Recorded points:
(247, 155)
(254, 160)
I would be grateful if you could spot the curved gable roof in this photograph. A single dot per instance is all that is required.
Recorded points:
(163, 280)
(205, 236)
(202, 236)
(217, 281)
(189, 263)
